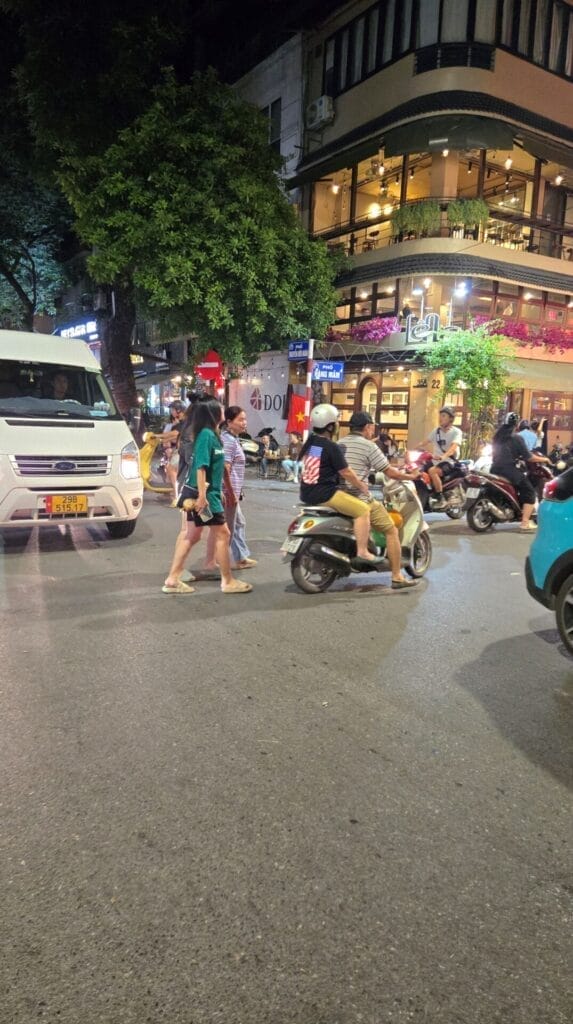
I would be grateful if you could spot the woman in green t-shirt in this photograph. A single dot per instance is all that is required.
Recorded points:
(205, 478)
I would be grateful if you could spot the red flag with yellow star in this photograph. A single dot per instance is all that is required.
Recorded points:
(296, 418)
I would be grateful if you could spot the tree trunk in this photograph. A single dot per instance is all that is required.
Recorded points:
(117, 360)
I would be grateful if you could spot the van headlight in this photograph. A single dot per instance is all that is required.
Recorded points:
(129, 461)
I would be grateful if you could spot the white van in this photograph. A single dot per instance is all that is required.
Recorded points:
(66, 453)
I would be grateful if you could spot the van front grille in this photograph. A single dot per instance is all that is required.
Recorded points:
(61, 465)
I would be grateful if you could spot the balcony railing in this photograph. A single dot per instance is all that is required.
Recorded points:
(510, 230)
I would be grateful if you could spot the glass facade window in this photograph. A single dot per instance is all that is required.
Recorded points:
(372, 40)
(388, 32)
(542, 23)
(538, 30)
(357, 51)
(485, 19)
(454, 20)
(428, 23)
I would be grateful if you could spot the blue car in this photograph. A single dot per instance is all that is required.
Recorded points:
(549, 565)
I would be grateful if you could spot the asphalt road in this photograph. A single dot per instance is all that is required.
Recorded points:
(280, 808)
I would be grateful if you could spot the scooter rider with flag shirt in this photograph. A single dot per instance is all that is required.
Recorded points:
(445, 442)
(365, 457)
(323, 464)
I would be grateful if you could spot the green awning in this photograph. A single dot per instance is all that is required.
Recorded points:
(541, 373)
(337, 162)
(450, 131)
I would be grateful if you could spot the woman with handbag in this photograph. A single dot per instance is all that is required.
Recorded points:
(203, 493)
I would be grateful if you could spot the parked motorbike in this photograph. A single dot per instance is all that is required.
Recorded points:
(561, 458)
(320, 543)
(454, 485)
(250, 448)
(493, 499)
(153, 461)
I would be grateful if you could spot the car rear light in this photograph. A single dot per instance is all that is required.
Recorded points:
(551, 491)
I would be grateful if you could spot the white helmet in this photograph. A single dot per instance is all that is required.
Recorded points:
(323, 415)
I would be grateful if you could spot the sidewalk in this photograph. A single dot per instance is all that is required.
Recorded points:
(256, 483)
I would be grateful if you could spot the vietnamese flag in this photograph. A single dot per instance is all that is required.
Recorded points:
(296, 418)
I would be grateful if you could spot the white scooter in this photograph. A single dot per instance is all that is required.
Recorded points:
(321, 547)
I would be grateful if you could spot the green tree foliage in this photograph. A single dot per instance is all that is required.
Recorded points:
(477, 363)
(187, 205)
(32, 224)
(86, 68)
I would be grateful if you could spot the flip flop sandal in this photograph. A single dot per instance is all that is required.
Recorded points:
(247, 563)
(187, 577)
(179, 588)
(237, 587)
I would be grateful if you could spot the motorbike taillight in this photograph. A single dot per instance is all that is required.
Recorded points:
(293, 525)
(550, 491)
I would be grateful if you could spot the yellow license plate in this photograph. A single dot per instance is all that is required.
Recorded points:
(66, 504)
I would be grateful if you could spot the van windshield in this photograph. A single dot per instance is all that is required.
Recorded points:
(54, 390)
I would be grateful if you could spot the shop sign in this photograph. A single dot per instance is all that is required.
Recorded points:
(422, 330)
(85, 329)
(297, 350)
(328, 371)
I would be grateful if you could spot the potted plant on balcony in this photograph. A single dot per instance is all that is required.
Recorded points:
(429, 217)
(455, 215)
(467, 214)
(418, 219)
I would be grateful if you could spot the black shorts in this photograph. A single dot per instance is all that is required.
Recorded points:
(525, 491)
(217, 519)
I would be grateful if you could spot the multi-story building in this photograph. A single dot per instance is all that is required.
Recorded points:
(411, 108)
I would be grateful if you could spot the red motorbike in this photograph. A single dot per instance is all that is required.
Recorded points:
(493, 499)
(454, 485)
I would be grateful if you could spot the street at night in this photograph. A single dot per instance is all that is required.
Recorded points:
(281, 808)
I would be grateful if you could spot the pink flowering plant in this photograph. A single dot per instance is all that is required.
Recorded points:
(375, 330)
(554, 339)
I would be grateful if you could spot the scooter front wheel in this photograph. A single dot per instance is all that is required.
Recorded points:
(421, 556)
(309, 574)
(455, 513)
(480, 518)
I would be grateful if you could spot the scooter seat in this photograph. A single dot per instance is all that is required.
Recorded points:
(321, 510)
(495, 477)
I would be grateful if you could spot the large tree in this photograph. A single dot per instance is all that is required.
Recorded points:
(33, 222)
(187, 205)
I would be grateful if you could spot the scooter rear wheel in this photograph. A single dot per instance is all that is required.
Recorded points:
(421, 556)
(480, 518)
(310, 575)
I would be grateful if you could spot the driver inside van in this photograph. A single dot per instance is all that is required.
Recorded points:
(60, 385)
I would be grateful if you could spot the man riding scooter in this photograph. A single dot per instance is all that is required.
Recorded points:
(323, 465)
(445, 444)
(365, 457)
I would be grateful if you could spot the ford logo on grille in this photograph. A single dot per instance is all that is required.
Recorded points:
(65, 467)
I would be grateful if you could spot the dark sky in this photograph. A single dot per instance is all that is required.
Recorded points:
(238, 33)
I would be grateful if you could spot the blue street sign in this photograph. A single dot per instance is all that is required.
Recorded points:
(328, 371)
(298, 350)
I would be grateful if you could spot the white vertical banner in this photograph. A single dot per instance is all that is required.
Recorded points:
(261, 391)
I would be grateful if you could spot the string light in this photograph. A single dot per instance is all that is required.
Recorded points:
(508, 163)
(335, 188)
(558, 178)
(445, 152)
